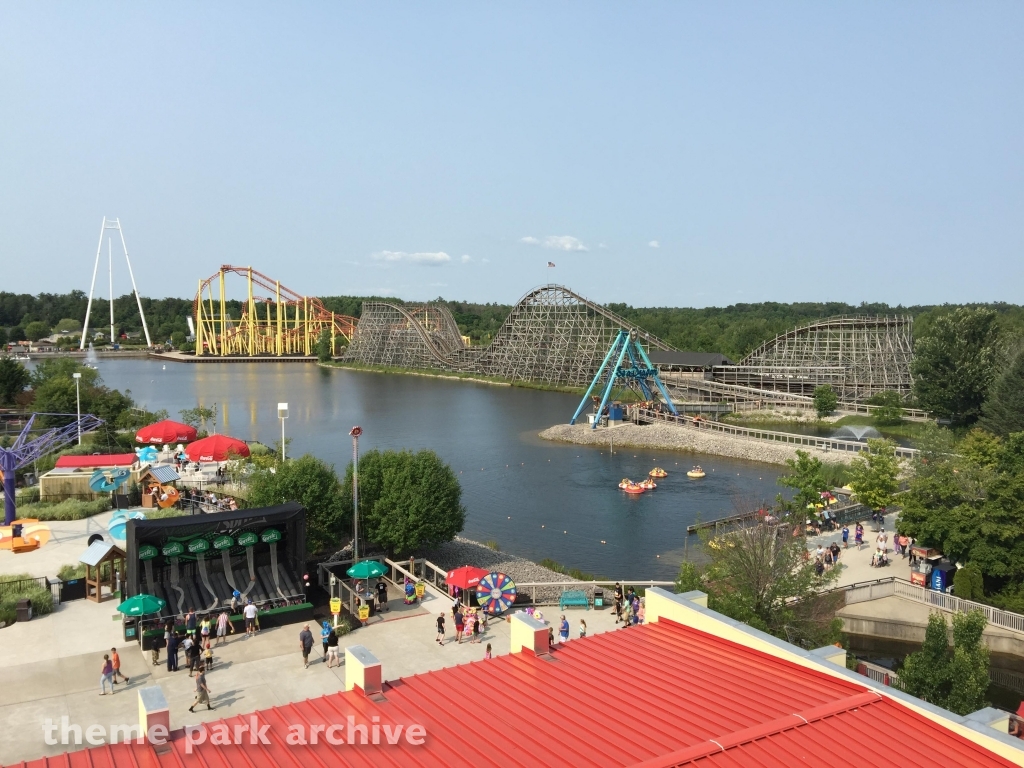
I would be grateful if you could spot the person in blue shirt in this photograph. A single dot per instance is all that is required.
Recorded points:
(563, 630)
(325, 635)
(846, 537)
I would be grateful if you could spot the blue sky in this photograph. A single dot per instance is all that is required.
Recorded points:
(658, 153)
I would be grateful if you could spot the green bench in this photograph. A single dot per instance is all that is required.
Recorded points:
(573, 597)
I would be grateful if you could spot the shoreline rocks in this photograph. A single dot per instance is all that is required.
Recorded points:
(687, 439)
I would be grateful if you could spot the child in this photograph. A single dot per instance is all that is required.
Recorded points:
(846, 537)
(477, 620)
(487, 653)
(208, 654)
(583, 629)
(440, 629)
(858, 536)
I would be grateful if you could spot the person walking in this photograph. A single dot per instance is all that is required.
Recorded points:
(115, 663)
(583, 629)
(236, 597)
(172, 651)
(204, 628)
(477, 621)
(305, 644)
(858, 536)
(846, 536)
(222, 627)
(202, 690)
(440, 629)
(106, 675)
(325, 632)
(190, 621)
(333, 659)
(207, 654)
(459, 626)
(249, 612)
(382, 595)
(487, 652)
(563, 630)
(618, 602)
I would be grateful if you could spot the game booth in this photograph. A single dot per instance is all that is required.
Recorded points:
(200, 561)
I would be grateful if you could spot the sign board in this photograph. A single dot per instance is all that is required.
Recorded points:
(173, 549)
(247, 539)
(270, 535)
(335, 606)
(364, 612)
(148, 552)
(198, 545)
(421, 590)
(223, 542)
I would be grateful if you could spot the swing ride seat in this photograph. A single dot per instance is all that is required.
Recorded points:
(573, 597)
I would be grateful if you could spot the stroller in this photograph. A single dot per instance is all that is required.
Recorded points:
(879, 559)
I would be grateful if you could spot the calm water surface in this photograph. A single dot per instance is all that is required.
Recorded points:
(535, 498)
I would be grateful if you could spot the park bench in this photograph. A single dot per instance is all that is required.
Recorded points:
(574, 597)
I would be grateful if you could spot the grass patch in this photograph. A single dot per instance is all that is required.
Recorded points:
(42, 599)
(492, 544)
(160, 514)
(71, 572)
(442, 374)
(572, 573)
(71, 509)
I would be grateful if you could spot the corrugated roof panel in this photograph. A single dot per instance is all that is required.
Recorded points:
(661, 695)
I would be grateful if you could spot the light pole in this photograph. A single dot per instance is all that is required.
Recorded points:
(282, 414)
(355, 432)
(78, 405)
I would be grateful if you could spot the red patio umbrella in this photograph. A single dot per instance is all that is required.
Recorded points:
(166, 431)
(465, 577)
(216, 448)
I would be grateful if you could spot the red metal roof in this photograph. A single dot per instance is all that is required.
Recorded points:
(658, 695)
(99, 460)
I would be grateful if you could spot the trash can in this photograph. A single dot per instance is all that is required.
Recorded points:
(24, 609)
(599, 598)
(130, 629)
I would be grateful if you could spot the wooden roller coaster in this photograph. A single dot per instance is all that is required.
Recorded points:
(283, 323)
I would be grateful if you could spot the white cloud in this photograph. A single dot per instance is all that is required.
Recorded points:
(421, 257)
(654, 244)
(556, 242)
(466, 258)
(602, 246)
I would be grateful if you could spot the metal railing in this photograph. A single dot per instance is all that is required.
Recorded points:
(896, 587)
(766, 435)
(878, 673)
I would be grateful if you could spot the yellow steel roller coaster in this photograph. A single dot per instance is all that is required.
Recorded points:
(283, 323)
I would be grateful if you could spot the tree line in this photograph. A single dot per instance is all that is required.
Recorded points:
(734, 330)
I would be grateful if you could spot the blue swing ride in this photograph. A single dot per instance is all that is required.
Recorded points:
(632, 370)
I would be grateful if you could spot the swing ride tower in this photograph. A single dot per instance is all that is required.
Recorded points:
(112, 224)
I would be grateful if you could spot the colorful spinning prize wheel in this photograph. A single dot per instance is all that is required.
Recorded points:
(495, 593)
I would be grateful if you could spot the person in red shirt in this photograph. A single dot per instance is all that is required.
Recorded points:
(115, 660)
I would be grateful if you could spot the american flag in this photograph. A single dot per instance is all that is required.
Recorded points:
(551, 263)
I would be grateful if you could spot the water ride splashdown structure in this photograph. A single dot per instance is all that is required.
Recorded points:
(632, 370)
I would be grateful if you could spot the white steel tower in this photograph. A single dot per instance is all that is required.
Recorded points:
(112, 224)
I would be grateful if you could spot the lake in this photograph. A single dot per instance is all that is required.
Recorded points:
(535, 498)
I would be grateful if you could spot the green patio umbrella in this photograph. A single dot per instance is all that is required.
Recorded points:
(368, 569)
(140, 605)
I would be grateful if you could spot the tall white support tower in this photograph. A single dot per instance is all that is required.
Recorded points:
(112, 224)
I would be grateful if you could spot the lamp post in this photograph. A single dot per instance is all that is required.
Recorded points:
(78, 405)
(355, 432)
(282, 414)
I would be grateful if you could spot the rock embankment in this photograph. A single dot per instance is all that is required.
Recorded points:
(522, 571)
(681, 438)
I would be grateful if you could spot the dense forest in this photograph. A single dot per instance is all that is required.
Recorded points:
(732, 330)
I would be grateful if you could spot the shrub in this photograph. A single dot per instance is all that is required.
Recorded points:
(71, 572)
(70, 509)
(42, 599)
(29, 495)
(492, 544)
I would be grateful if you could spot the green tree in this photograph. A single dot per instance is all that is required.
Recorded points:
(968, 583)
(407, 501)
(14, 377)
(178, 339)
(69, 325)
(825, 400)
(807, 477)
(956, 680)
(17, 334)
(874, 474)
(36, 330)
(1004, 408)
(955, 363)
(324, 352)
(3, 337)
(753, 572)
(890, 408)
(311, 482)
(198, 416)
